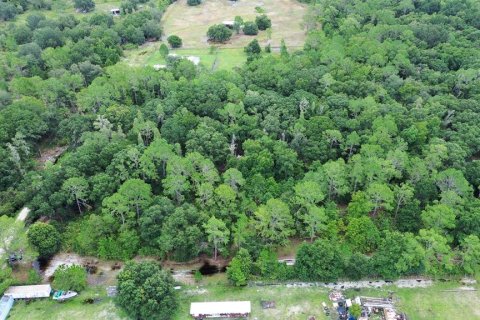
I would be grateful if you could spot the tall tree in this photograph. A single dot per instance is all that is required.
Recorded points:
(217, 233)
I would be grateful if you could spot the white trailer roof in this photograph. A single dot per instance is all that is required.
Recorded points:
(29, 292)
(215, 309)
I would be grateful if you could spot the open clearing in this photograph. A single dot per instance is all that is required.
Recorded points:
(148, 55)
(442, 301)
(191, 23)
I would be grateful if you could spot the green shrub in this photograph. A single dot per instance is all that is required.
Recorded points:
(72, 277)
(250, 28)
(174, 41)
(263, 22)
(219, 33)
(194, 2)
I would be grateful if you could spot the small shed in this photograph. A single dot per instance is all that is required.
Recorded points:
(29, 292)
(6, 304)
(224, 309)
(115, 11)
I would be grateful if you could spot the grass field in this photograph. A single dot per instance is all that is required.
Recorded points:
(192, 23)
(223, 58)
(74, 309)
(442, 301)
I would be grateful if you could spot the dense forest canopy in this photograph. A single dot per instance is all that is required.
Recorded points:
(365, 144)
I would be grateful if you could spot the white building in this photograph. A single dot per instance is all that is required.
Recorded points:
(29, 292)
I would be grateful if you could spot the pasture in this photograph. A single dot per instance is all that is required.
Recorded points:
(191, 23)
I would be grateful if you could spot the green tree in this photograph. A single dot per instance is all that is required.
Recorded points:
(319, 261)
(44, 238)
(217, 234)
(274, 222)
(84, 5)
(237, 24)
(253, 48)
(362, 235)
(219, 33)
(263, 22)
(137, 194)
(174, 41)
(163, 50)
(72, 277)
(381, 196)
(250, 28)
(238, 272)
(76, 189)
(439, 217)
(470, 254)
(145, 291)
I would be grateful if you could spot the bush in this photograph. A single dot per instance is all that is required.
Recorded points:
(263, 22)
(174, 41)
(194, 2)
(219, 33)
(163, 50)
(146, 292)
(8, 11)
(44, 238)
(239, 270)
(72, 277)
(253, 48)
(250, 28)
(319, 261)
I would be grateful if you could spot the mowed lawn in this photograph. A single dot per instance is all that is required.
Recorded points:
(75, 309)
(221, 59)
(442, 301)
(191, 23)
(291, 303)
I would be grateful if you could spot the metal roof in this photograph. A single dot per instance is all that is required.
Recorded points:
(216, 309)
(29, 292)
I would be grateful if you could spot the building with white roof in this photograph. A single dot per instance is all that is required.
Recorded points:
(29, 292)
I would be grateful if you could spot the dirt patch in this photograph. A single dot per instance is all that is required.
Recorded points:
(104, 274)
(51, 154)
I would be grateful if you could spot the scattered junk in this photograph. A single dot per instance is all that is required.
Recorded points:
(225, 309)
(91, 300)
(177, 288)
(91, 266)
(115, 12)
(372, 308)
(267, 304)
(14, 258)
(116, 266)
(6, 304)
(111, 291)
(326, 309)
(61, 296)
(29, 292)
(311, 318)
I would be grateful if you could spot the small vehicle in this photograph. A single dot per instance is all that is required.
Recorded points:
(64, 295)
